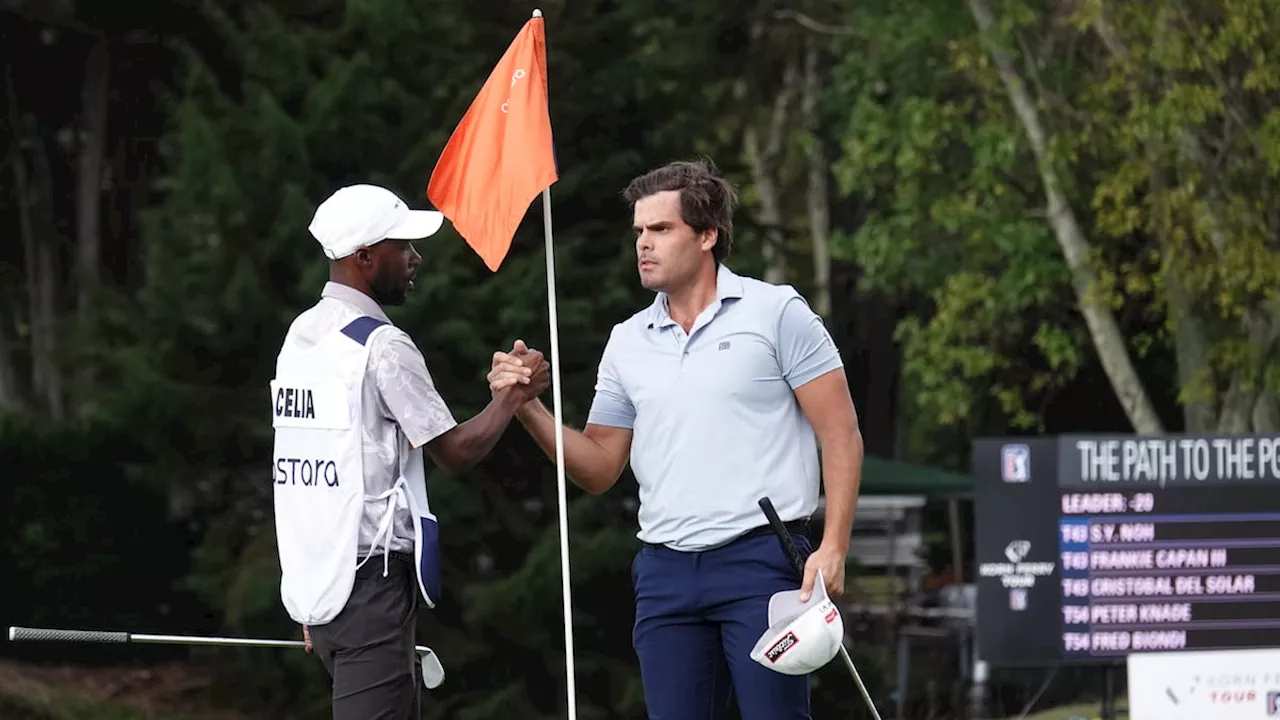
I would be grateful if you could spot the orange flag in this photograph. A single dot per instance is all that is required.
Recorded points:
(501, 154)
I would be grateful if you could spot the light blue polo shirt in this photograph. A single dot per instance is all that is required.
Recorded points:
(716, 425)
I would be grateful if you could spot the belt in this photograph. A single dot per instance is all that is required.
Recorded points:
(795, 527)
(401, 556)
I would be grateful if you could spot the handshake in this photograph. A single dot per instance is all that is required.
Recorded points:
(522, 371)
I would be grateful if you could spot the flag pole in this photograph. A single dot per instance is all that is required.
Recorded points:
(566, 589)
(565, 586)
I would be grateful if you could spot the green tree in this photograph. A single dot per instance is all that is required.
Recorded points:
(1069, 188)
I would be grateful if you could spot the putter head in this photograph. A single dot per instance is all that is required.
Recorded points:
(432, 670)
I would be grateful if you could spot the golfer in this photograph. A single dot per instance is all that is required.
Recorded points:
(719, 393)
(354, 407)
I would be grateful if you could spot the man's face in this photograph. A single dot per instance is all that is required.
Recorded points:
(390, 275)
(668, 251)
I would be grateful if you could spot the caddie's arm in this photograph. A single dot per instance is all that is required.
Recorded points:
(594, 457)
(409, 396)
(463, 447)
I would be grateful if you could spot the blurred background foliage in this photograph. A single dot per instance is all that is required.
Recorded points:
(1014, 217)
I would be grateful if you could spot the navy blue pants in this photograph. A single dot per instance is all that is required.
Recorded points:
(698, 614)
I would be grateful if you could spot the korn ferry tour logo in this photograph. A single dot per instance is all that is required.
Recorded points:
(1233, 684)
(1017, 572)
(1017, 550)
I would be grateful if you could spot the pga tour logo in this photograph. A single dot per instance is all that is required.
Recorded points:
(1015, 463)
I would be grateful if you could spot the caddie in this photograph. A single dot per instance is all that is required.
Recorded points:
(719, 393)
(354, 407)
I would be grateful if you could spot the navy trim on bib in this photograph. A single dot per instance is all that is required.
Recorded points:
(429, 562)
(362, 327)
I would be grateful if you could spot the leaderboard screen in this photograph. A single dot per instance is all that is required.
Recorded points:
(1094, 547)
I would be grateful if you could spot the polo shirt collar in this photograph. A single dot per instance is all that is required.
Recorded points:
(728, 286)
(352, 296)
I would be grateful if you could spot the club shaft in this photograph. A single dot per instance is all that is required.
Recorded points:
(197, 640)
(866, 696)
(793, 554)
(17, 634)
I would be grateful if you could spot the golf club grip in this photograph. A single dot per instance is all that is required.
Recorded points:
(91, 636)
(784, 536)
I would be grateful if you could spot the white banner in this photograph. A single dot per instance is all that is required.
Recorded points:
(1204, 685)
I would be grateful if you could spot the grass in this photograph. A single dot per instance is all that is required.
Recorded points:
(34, 693)
(60, 708)
(1088, 711)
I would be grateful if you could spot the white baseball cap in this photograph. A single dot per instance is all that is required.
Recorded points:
(802, 636)
(358, 216)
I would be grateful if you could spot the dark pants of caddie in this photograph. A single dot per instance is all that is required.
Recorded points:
(368, 648)
(699, 614)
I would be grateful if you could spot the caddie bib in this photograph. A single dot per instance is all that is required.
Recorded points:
(318, 469)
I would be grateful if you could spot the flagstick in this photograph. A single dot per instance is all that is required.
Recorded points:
(560, 475)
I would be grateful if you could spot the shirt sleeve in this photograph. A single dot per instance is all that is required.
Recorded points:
(408, 393)
(805, 348)
(611, 405)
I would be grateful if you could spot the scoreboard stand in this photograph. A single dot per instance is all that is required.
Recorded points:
(1091, 548)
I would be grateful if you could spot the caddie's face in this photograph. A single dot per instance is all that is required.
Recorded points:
(668, 251)
(394, 263)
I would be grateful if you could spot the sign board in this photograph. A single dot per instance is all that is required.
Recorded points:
(1090, 548)
(1198, 685)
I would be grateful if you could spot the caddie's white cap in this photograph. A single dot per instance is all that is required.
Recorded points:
(802, 636)
(358, 216)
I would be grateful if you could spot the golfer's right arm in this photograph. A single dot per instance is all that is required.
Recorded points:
(593, 458)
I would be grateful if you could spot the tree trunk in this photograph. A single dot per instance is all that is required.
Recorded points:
(818, 194)
(10, 390)
(40, 259)
(46, 311)
(765, 160)
(1191, 351)
(1266, 414)
(92, 146)
(766, 186)
(1103, 328)
(1190, 340)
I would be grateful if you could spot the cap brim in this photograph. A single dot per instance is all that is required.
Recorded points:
(417, 224)
(786, 606)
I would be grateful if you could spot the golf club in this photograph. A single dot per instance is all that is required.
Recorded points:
(432, 670)
(793, 554)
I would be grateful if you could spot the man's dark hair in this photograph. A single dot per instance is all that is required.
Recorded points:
(706, 199)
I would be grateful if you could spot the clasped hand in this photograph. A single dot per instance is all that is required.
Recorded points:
(522, 368)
